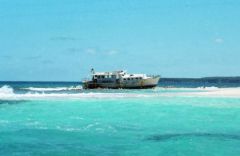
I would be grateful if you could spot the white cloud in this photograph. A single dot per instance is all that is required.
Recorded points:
(112, 52)
(91, 51)
(219, 40)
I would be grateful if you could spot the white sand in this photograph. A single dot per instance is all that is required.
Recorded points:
(216, 92)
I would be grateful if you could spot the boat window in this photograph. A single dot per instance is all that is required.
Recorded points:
(136, 78)
(128, 78)
(98, 77)
(102, 76)
(124, 79)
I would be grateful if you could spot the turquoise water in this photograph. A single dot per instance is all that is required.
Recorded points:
(169, 126)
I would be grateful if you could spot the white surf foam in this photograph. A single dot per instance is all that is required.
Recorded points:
(32, 96)
(6, 90)
(7, 93)
(53, 89)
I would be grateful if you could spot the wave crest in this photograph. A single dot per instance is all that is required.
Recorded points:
(6, 90)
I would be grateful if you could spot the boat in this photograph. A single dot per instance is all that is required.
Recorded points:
(120, 79)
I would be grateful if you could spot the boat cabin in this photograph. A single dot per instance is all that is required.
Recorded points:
(111, 77)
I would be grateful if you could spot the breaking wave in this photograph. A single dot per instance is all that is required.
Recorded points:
(7, 93)
(6, 90)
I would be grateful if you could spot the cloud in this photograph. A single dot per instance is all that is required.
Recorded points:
(219, 40)
(99, 51)
(112, 52)
(91, 51)
(63, 38)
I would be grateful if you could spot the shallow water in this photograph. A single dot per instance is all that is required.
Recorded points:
(63, 119)
(123, 126)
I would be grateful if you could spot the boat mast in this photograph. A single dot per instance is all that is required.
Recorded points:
(92, 71)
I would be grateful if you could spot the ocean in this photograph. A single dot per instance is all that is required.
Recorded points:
(60, 118)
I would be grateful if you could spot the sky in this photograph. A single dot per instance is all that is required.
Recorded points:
(61, 40)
